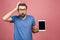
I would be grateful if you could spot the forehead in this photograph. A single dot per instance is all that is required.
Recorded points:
(22, 7)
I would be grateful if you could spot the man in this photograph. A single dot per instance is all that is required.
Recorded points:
(23, 24)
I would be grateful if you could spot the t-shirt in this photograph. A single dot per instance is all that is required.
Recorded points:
(23, 28)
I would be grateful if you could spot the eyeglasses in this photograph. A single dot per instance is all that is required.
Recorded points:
(22, 9)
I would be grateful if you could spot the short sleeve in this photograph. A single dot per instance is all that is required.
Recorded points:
(13, 19)
(33, 22)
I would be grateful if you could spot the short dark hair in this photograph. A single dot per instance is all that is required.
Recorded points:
(22, 4)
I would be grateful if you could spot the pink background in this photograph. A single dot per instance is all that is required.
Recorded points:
(48, 10)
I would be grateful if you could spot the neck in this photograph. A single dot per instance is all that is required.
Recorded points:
(23, 17)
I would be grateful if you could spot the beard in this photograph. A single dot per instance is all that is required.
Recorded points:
(22, 15)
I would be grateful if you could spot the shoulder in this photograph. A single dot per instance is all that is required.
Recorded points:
(30, 16)
(14, 16)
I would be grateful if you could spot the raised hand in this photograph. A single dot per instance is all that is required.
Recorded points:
(17, 5)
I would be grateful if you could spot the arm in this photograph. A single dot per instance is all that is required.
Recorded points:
(7, 17)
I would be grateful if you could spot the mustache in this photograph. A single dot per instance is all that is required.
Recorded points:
(22, 14)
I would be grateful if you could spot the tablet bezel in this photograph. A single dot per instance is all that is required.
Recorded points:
(45, 25)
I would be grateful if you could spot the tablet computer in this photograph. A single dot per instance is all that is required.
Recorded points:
(42, 25)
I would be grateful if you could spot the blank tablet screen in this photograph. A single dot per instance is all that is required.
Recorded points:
(41, 25)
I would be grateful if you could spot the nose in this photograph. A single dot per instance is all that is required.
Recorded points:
(22, 11)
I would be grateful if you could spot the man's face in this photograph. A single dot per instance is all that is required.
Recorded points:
(22, 11)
